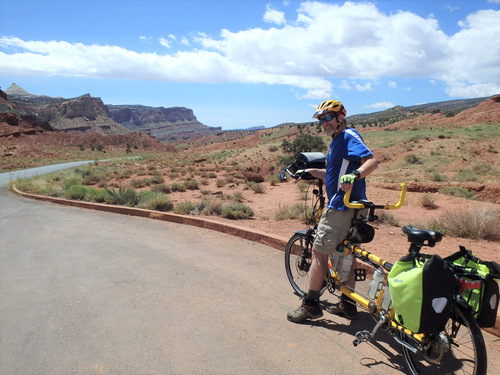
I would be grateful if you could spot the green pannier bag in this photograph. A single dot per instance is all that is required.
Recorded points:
(422, 293)
(483, 300)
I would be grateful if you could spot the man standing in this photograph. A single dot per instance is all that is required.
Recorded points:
(349, 161)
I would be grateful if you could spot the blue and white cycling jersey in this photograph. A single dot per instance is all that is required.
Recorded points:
(344, 156)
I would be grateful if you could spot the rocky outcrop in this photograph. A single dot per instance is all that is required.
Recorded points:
(16, 121)
(169, 124)
(84, 114)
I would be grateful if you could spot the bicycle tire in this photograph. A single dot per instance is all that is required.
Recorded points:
(298, 257)
(466, 354)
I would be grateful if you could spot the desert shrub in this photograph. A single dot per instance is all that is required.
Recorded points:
(220, 182)
(236, 210)
(95, 195)
(178, 187)
(457, 191)
(161, 188)
(427, 201)
(274, 180)
(92, 179)
(212, 175)
(139, 183)
(387, 218)
(412, 159)
(257, 188)
(76, 192)
(184, 208)
(288, 211)
(210, 206)
(122, 197)
(273, 148)
(303, 143)
(466, 174)
(71, 181)
(476, 223)
(155, 201)
(437, 177)
(191, 184)
(237, 197)
(157, 179)
(482, 169)
(27, 185)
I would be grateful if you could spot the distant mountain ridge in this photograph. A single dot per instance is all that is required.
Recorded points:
(168, 124)
(389, 116)
(86, 114)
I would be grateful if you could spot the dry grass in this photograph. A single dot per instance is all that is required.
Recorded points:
(476, 223)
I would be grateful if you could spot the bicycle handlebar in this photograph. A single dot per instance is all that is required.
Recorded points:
(358, 205)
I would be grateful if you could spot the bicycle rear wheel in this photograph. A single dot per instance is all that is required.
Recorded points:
(298, 255)
(458, 349)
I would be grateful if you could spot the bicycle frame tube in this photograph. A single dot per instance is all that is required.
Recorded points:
(372, 307)
(366, 254)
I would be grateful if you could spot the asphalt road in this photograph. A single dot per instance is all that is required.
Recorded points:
(87, 292)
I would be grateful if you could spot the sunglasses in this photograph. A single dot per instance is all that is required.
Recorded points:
(327, 118)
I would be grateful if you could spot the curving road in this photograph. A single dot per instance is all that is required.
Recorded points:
(88, 292)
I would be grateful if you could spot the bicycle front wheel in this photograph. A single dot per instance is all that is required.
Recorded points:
(298, 255)
(458, 349)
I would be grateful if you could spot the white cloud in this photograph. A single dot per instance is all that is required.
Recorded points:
(164, 42)
(274, 16)
(380, 105)
(362, 45)
(366, 87)
(392, 85)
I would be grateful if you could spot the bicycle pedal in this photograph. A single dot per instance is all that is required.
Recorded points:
(362, 336)
(360, 274)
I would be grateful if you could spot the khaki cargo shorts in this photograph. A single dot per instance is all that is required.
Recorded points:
(333, 228)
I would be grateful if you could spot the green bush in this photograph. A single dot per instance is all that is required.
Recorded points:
(236, 210)
(210, 206)
(466, 174)
(155, 201)
(437, 177)
(71, 181)
(303, 143)
(96, 195)
(191, 184)
(161, 188)
(178, 187)
(184, 208)
(76, 192)
(122, 197)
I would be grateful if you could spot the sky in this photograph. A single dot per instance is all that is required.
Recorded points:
(246, 63)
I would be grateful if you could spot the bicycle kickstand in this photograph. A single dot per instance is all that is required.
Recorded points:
(366, 336)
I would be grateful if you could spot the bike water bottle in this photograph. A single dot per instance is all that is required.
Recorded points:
(377, 283)
(337, 259)
(386, 299)
(345, 272)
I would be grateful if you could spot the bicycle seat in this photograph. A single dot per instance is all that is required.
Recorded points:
(419, 236)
